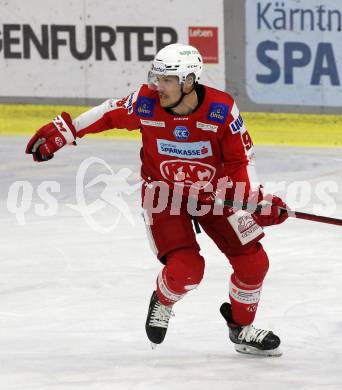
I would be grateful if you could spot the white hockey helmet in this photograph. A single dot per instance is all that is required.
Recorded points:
(176, 59)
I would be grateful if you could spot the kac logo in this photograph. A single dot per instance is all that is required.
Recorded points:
(181, 133)
(190, 173)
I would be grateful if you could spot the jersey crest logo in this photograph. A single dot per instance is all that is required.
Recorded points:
(145, 107)
(218, 112)
(181, 133)
(189, 173)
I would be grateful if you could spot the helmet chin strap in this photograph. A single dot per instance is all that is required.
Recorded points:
(181, 97)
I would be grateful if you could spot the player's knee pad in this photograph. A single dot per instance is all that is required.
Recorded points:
(251, 267)
(183, 272)
(185, 267)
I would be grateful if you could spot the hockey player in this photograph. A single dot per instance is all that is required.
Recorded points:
(193, 140)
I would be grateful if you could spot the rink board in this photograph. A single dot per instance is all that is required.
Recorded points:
(265, 128)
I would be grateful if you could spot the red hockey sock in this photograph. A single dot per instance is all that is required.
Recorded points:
(244, 300)
(250, 269)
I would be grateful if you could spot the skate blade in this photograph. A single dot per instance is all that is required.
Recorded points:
(153, 346)
(246, 349)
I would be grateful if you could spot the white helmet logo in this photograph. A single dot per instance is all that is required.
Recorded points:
(159, 68)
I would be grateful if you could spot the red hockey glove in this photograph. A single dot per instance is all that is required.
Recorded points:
(270, 213)
(51, 138)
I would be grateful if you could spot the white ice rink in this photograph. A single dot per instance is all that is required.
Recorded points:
(73, 301)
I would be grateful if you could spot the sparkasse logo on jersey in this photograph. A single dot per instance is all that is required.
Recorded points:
(189, 150)
(205, 39)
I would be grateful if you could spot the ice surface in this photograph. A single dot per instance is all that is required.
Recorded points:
(73, 301)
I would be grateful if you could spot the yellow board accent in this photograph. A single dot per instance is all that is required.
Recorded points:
(265, 128)
(295, 129)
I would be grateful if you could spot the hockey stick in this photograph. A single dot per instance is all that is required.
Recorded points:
(293, 214)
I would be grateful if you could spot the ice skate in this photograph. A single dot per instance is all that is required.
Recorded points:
(157, 320)
(248, 339)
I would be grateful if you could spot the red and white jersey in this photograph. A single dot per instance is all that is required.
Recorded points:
(208, 144)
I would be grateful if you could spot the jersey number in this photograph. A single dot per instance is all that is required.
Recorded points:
(247, 140)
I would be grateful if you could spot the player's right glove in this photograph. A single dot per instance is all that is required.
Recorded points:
(51, 138)
(274, 211)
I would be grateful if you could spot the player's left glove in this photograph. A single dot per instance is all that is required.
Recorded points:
(51, 138)
(273, 211)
